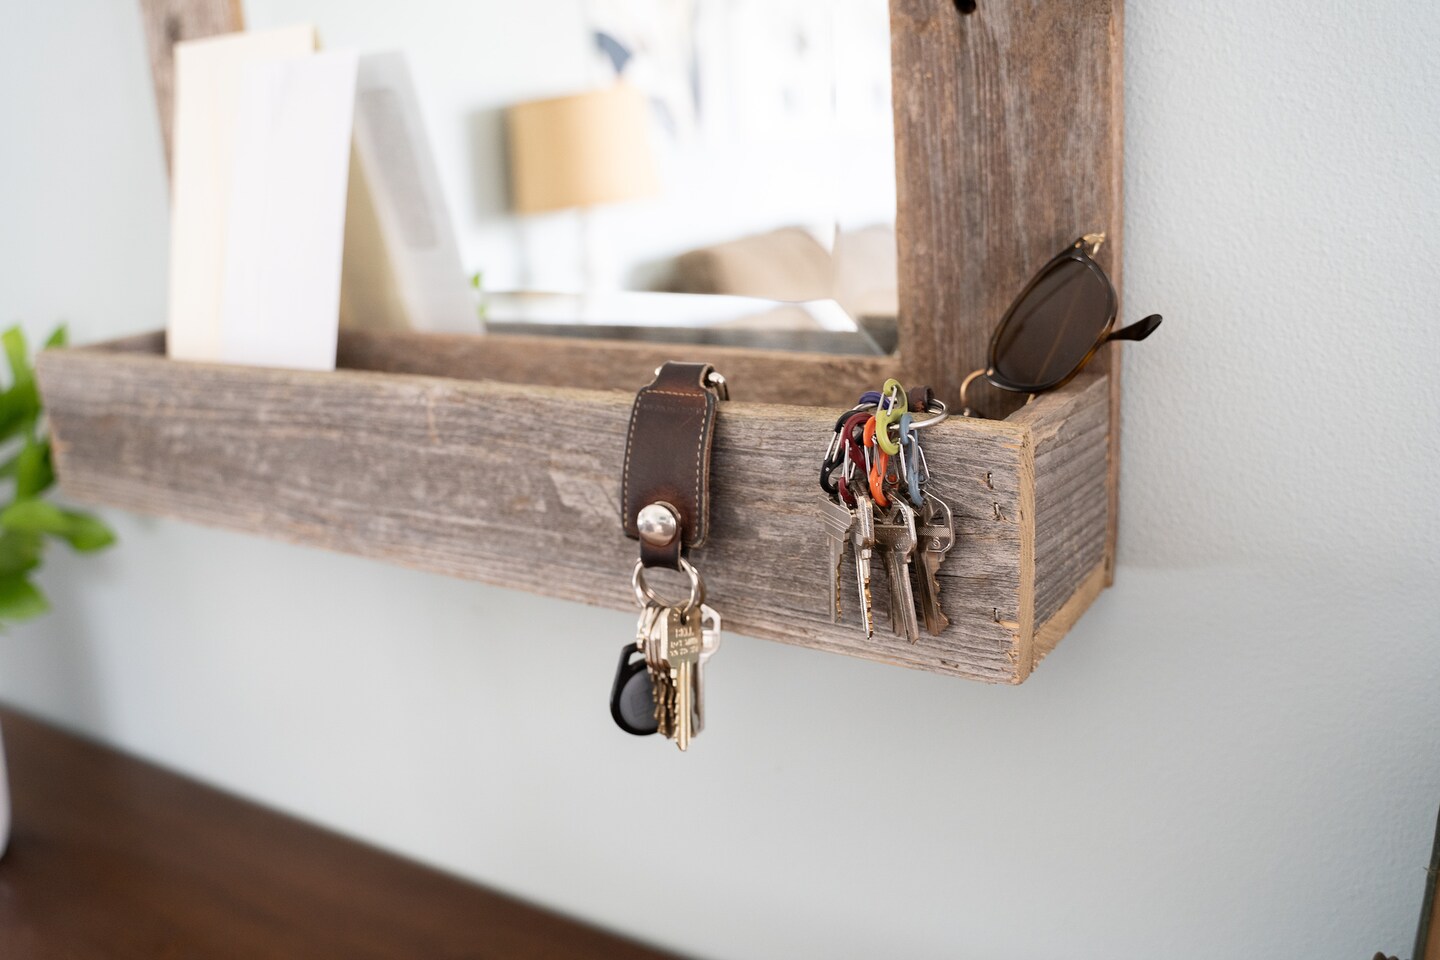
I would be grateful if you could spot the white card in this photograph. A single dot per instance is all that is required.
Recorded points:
(208, 76)
(280, 304)
(417, 240)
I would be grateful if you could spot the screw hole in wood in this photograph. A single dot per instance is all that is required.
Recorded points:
(966, 7)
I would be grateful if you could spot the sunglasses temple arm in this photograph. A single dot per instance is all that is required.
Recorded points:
(1138, 330)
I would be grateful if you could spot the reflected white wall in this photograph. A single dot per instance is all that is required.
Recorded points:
(742, 160)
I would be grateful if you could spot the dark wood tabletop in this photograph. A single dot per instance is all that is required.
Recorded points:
(113, 857)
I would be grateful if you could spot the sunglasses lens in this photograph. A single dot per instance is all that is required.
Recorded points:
(1052, 328)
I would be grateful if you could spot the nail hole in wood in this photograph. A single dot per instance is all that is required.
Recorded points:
(966, 7)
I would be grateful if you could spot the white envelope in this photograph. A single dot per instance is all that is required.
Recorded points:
(280, 303)
(208, 75)
(402, 264)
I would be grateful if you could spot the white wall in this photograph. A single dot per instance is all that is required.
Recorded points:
(1236, 752)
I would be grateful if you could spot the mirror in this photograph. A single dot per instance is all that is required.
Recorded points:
(717, 171)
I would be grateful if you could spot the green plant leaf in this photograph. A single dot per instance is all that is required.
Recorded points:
(17, 353)
(26, 522)
(81, 530)
(20, 599)
(20, 404)
(59, 338)
(19, 408)
(33, 471)
(19, 552)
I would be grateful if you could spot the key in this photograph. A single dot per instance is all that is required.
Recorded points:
(710, 642)
(710, 623)
(684, 639)
(935, 534)
(862, 540)
(895, 538)
(651, 640)
(839, 521)
(645, 629)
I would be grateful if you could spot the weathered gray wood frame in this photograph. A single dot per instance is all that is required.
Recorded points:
(1008, 146)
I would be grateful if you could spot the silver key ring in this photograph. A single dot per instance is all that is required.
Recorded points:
(645, 596)
(940, 415)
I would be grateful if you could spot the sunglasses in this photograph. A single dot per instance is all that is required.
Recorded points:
(1063, 316)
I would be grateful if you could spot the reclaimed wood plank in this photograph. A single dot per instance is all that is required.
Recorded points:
(1007, 136)
(1070, 432)
(1009, 128)
(167, 22)
(1049, 634)
(759, 376)
(433, 473)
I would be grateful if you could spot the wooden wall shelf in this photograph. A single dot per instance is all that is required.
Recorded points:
(450, 475)
(445, 453)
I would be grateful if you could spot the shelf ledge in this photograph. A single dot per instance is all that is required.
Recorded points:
(448, 475)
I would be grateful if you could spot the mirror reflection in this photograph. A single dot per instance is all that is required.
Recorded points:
(716, 171)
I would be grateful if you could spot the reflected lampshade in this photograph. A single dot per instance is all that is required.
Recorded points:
(582, 150)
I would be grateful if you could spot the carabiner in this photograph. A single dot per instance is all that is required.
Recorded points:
(910, 458)
(879, 464)
(887, 416)
(834, 455)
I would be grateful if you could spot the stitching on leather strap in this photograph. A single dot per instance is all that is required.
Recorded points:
(696, 507)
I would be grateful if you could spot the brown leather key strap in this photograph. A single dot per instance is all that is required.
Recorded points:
(667, 460)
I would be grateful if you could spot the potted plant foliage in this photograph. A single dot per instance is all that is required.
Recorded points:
(28, 521)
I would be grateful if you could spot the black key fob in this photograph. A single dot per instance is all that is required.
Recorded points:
(632, 698)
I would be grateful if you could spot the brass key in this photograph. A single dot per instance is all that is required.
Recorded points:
(650, 640)
(684, 641)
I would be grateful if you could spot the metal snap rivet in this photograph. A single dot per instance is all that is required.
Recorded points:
(658, 524)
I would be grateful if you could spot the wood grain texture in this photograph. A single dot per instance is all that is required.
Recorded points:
(1070, 431)
(116, 859)
(1049, 633)
(434, 473)
(1063, 492)
(1109, 358)
(1009, 144)
(757, 376)
(1006, 139)
(167, 22)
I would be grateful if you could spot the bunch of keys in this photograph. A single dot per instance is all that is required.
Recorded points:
(874, 476)
(660, 683)
(665, 505)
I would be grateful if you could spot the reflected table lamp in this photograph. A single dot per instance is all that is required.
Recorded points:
(579, 152)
